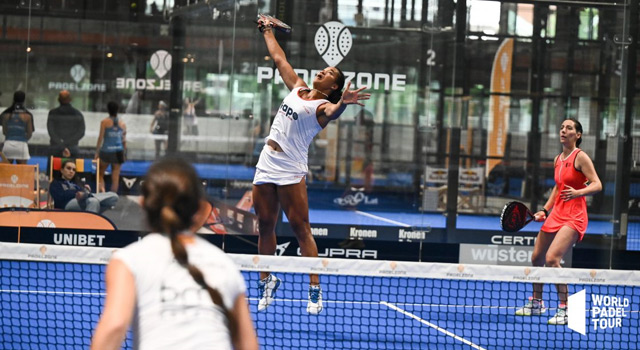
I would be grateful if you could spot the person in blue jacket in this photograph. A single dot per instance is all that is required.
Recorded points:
(68, 194)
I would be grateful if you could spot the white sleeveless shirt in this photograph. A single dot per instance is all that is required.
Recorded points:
(295, 125)
(172, 310)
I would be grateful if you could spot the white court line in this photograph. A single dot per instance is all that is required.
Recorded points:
(378, 303)
(439, 329)
(46, 292)
(383, 219)
(351, 302)
(323, 300)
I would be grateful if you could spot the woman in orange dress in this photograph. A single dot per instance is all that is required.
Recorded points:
(564, 215)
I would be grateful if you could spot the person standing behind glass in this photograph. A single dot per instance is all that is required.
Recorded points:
(66, 127)
(111, 146)
(160, 126)
(17, 127)
(190, 118)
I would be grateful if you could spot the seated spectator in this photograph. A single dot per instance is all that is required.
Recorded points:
(69, 195)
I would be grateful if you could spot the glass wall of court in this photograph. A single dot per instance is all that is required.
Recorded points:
(467, 96)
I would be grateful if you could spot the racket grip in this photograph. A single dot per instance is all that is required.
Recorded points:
(533, 217)
(261, 27)
(274, 23)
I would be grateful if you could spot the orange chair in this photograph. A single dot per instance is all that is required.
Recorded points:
(19, 185)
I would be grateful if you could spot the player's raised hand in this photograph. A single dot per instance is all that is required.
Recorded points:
(354, 96)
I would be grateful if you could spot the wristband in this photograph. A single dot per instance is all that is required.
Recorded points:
(545, 211)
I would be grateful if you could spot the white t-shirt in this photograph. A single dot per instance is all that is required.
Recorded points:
(295, 125)
(172, 310)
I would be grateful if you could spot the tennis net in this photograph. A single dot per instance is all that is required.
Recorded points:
(51, 298)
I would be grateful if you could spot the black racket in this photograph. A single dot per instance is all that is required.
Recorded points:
(515, 215)
(277, 24)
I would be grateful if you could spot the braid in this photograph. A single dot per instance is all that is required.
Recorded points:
(169, 220)
(180, 253)
(172, 194)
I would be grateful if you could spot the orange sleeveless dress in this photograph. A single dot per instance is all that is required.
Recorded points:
(572, 213)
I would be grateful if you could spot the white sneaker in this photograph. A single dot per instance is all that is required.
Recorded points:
(560, 318)
(314, 306)
(532, 307)
(267, 288)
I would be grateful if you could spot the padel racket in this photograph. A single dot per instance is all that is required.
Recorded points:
(515, 215)
(276, 23)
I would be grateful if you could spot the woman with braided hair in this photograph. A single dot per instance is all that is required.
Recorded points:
(176, 289)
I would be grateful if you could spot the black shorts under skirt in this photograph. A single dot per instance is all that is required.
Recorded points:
(112, 157)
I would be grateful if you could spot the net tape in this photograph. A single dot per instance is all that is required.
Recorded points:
(324, 266)
(51, 297)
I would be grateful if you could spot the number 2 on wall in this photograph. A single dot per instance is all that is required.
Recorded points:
(431, 57)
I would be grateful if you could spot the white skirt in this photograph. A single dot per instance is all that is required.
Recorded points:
(277, 168)
(16, 150)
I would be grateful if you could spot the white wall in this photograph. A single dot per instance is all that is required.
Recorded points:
(216, 135)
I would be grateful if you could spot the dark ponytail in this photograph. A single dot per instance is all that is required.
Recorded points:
(336, 95)
(578, 127)
(112, 108)
(172, 195)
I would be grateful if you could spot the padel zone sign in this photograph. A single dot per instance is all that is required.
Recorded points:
(78, 74)
(333, 41)
(395, 82)
(160, 63)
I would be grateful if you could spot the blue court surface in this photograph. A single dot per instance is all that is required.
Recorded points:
(57, 305)
(431, 220)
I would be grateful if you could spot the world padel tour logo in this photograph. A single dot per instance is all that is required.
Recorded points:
(606, 312)
(333, 41)
(160, 63)
(77, 73)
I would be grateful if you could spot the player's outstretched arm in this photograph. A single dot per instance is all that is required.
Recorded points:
(331, 111)
(289, 76)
